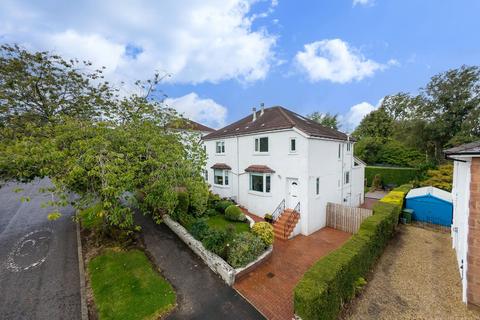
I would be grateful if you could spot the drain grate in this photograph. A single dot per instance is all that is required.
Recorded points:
(270, 275)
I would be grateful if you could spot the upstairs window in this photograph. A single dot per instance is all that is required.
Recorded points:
(220, 177)
(293, 145)
(220, 147)
(339, 151)
(349, 147)
(317, 186)
(261, 144)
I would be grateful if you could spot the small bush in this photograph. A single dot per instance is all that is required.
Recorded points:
(213, 199)
(233, 213)
(265, 231)
(186, 220)
(245, 248)
(211, 212)
(222, 205)
(216, 242)
(92, 217)
(199, 229)
(377, 182)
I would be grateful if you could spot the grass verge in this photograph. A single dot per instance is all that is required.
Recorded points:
(125, 286)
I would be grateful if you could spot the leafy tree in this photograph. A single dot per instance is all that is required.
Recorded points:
(325, 119)
(377, 124)
(103, 153)
(440, 178)
(41, 87)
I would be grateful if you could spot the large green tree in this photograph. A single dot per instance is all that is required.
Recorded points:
(94, 144)
(325, 119)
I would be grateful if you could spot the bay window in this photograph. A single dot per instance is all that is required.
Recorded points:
(260, 182)
(220, 177)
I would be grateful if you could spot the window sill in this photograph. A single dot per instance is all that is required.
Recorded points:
(261, 153)
(293, 153)
(260, 194)
(221, 186)
(219, 154)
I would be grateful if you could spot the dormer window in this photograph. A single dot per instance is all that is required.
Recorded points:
(261, 144)
(220, 147)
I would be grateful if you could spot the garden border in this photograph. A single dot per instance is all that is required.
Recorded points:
(228, 273)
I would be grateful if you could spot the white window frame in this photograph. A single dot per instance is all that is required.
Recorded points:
(220, 144)
(225, 178)
(349, 147)
(256, 145)
(290, 145)
(264, 183)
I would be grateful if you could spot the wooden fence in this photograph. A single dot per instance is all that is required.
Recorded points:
(346, 218)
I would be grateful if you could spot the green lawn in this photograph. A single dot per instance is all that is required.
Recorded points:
(219, 222)
(125, 286)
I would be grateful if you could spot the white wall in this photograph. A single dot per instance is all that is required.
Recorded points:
(314, 158)
(461, 197)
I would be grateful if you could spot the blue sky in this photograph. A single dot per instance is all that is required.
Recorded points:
(225, 57)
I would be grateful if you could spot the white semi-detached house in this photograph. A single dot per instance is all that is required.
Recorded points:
(275, 161)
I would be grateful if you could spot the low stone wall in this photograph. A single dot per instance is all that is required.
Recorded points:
(214, 262)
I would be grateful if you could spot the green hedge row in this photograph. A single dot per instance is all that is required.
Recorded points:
(391, 175)
(332, 280)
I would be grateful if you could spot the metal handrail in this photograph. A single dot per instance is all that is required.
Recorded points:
(290, 219)
(278, 211)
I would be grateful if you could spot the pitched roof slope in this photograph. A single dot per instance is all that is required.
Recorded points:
(467, 149)
(192, 125)
(276, 118)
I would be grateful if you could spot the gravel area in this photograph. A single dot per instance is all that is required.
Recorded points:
(416, 278)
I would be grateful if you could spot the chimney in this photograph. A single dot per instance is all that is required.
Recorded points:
(254, 110)
(262, 108)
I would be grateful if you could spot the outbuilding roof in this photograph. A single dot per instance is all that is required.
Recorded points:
(276, 118)
(472, 148)
(430, 191)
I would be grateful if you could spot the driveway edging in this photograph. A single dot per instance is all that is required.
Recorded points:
(81, 271)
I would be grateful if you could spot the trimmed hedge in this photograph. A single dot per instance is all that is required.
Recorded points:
(234, 213)
(391, 175)
(331, 281)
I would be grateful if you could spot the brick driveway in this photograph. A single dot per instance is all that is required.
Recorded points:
(270, 287)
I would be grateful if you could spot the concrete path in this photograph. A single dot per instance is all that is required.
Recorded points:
(38, 258)
(201, 294)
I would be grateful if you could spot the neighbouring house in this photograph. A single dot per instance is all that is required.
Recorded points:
(466, 217)
(277, 162)
(190, 126)
(430, 204)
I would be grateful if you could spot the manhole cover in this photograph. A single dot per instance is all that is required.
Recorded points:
(270, 274)
(30, 251)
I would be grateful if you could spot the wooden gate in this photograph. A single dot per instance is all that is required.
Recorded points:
(346, 218)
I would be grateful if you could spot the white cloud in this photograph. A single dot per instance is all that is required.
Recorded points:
(334, 60)
(196, 41)
(355, 115)
(204, 111)
(363, 2)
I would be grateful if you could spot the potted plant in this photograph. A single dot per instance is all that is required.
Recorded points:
(268, 217)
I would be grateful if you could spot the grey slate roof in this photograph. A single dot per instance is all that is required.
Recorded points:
(471, 148)
(276, 118)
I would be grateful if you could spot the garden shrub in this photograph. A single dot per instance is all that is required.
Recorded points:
(216, 242)
(265, 231)
(377, 182)
(222, 205)
(441, 177)
(186, 220)
(234, 213)
(245, 248)
(211, 212)
(91, 218)
(199, 229)
(334, 279)
(391, 175)
(213, 199)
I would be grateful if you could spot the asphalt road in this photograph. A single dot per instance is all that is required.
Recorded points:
(201, 294)
(39, 276)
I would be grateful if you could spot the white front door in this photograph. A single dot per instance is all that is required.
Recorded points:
(292, 193)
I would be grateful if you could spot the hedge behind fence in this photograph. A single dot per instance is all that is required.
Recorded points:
(331, 281)
(391, 175)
